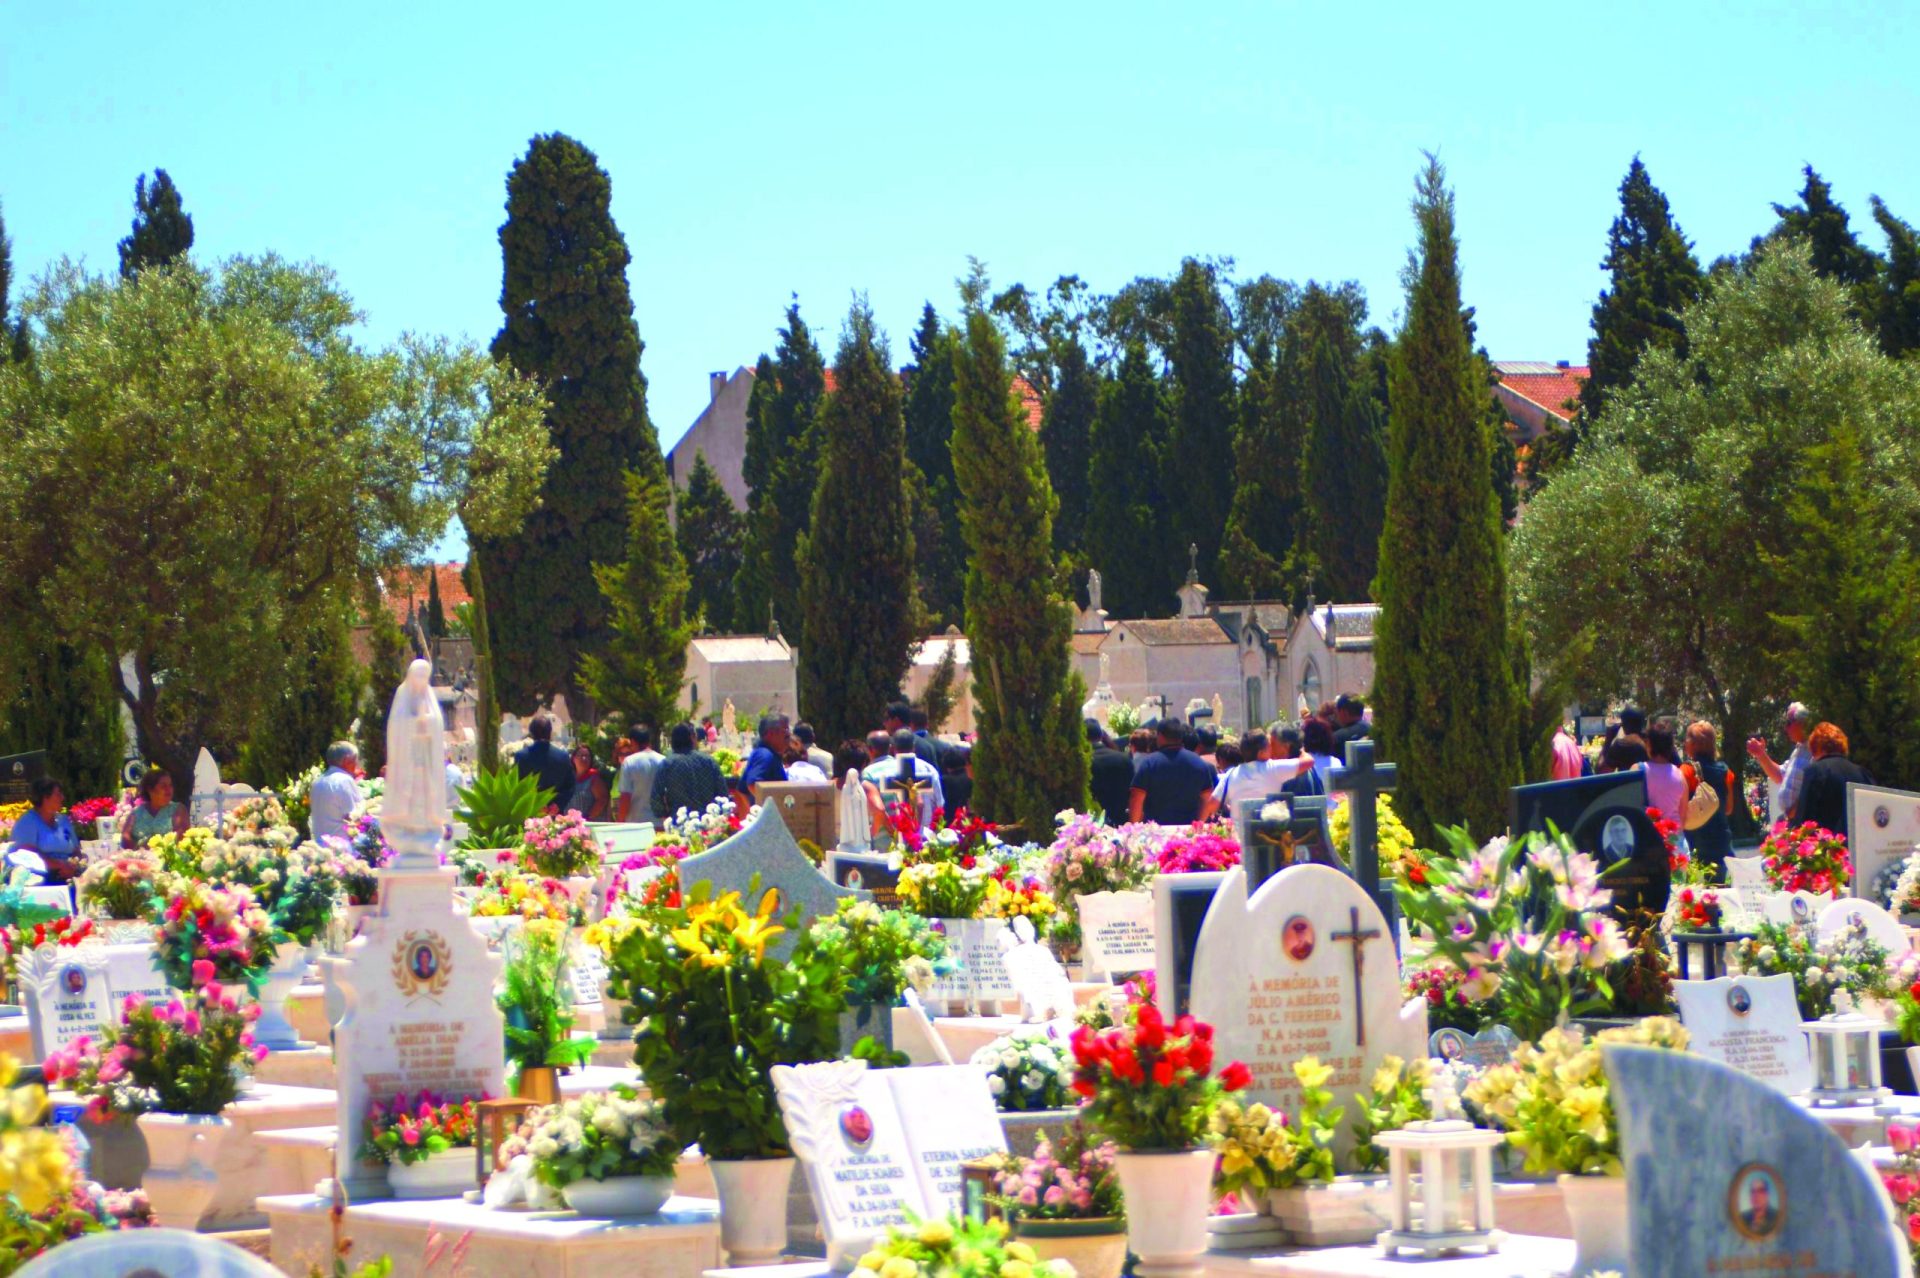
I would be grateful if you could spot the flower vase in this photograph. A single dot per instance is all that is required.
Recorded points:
(539, 1083)
(180, 1179)
(619, 1196)
(1597, 1209)
(273, 1030)
(1169, 1236)
(753, 1208)
(1096, 1247)
(447, 1174)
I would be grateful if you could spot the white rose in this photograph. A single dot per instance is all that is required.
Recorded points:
(996, 1084)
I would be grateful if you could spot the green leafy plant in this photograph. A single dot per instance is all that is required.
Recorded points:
(883, 951)
(186, 1056)
(1395, 1097)
(1312, 1136)
(1255, 1148)
(497, 807)
(537, 1001)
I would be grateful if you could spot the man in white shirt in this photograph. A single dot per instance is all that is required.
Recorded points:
(903, 762)
(1260, 778)
(335, 793)
(1789, 774)
(635, 802)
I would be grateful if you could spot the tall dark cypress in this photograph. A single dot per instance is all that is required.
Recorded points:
(1127, 542)
(1031, 758)
(1895, 313)
(569, 323)
(1345, 474)
(1066, 437)
(1259, 558)
(13, 333)
(708, 529)
(1837, 252)
(1652, 278)
(929, 418)
(162, 229)
(1197, 471)
(781, 469)
(855, 565)
(1444, 690)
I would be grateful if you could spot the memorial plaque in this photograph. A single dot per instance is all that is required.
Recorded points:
(950, 1118)
(131, 969)
(873, 872)
(18, 772)
(806, 809)
(66, 995)
(1116, 933)
(1881, 927)
(1180, 904)
(1751, 1023)
(1490, 1047)
(845, 1128)
(1883, 829)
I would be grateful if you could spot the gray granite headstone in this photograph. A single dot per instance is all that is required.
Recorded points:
(764, 847)
(1727, 1176)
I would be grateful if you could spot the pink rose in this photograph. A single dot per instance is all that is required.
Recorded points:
(202, 971)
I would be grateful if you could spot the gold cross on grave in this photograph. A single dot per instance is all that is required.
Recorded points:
(1354, 934)
(909, 786)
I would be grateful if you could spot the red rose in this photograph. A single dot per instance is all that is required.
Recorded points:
(1200, 1056)
(1235, 1076)
(1149, 1027)
(1163, 1073)
(1085, 1086)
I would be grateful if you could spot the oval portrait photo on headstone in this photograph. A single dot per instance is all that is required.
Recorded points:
(1881, 817)
(74, 979)
(1801, 911)
(1296, 937)
(1756, 1202)
(1448, 1044)
(1739, 1002)
(856, 1128)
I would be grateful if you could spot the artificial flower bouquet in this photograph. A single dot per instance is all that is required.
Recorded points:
(121, 886)
(222, 927)
(944, 889)
(600, 1136)
(1198, 850)
(1027, 1071)
(510, 892)
(698, 831)
(411, 1129)
(1552, 1099)
(1012, 894)
(1846, 960)
(260, 821)
(715, 1011)
(1088, 856)
(645, 879)
(181, 853)
(956, 1247)
(1696, 909)
(1068, 1179)
(185, 1056)
(1148, 1085)
(1261, 1150)
(1447, 1003)
(560, 847)
(1805, 857)
(883, 952)
(1521, 919)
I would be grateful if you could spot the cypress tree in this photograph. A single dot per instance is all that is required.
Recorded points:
(1197, 471)
(781, 469)
(1896, 303)
(436, 613)
(855, 565)
(1345, 468)
(638, 675)
(386, 665)
(938, 547)
(64, 703)
(752, 583)
(1652, 277)
(13, 333)
(1837, 252)
(569, 323)
(1444, 690)
(938, 697)
(708, 528)
(325, 685)
(1126, 543)
(1031, 757)
(1259, 558)
(1066, 435)
(162, 230)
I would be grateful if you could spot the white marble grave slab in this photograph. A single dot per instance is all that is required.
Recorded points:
(1116, 931)
(66, 995)
(1882, 928)
(131, 970)
(845, 1127)
(1750, 1023)
(1883, 828)
(950, 1119)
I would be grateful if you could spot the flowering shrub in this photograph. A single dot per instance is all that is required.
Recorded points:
(1520, 919)
(956, 1247)
(599, 1136)
(1696, 909)
(1846, 960)
(23, 938)
(1447, 1005)
(221, 927)
(1395, 839)
(883, 952)
(1148, 1085)
(411, 1129)
(1198, 850)
(1071, 1180)
(1805, 857)
(943, 889)
(185, 1056)
(560, 846)
(121, 886)
(1025, 1071)
(1553, 1102)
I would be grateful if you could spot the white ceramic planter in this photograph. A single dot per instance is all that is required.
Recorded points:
(1169, 1194)
(620, 1196)
(180, 1178)
(273, 1030)
(1597, 1208)
(753, 1208)
(1349, 1211)
(447, 1174)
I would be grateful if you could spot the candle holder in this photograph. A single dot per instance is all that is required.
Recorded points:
(1452, 1162)
(1846, 1056)
(491, 1132)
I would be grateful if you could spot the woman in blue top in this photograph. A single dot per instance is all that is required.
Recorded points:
(47, 832)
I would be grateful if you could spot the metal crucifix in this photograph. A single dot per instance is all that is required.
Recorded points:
(1359, 938)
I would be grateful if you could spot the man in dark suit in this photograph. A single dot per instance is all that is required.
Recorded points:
(1111, 777)
(546, 762)
(1350, 724)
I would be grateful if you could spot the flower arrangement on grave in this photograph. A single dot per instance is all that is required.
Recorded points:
(41, 1194)
(121, 886)
(1027, 1071)
(185, 1056)
(1197, 850)
(658, 856)
(180, 853)
(560, 847)
(1012, 894)
(600, 1136)
(1805, 857)
(296, 886)
(23, 938)
(1669, 832)
(1447, 1003)
(296, 797)
(698, 831)
(1696, 909)
(497, 805)
(904, 830)
(1902, 1179)
(537, 999)
(1069, 1179)
(1642, 982)
(1085, 857)
(258, 820)
(86, 815)
(222, 927)
(510, 892)
(1262, 1150)
(715, 1012)
(1396, 1095)
(1552, 1100)
(1897, 886)
(411, 1129)
(883, 952)
(1148, 1085)
(943, 889)
(9, 813)
(1395, 839)
(1520, 919)
(1847, 960)
(956, 1247)
(357, 863)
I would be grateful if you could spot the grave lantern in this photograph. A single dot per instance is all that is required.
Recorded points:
(1451, 1163)
(496, 1118)
(1846, 1056)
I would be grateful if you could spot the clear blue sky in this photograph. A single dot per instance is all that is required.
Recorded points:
(758, 151)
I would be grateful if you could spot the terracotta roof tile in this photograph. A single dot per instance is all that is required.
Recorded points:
(404, 585)
(1550, 386)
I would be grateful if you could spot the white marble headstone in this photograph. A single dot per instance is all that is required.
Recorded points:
(846, 1130)
(1746, 871)
(1801, 908)
(131, 969)
(1751, 1023)
(982, 961)
(52, 898)
(1882, 928)
(152, 1253)
(65, 988)
(1883, 827)
(1116, 933)
(1036, 975)
(950, 1119)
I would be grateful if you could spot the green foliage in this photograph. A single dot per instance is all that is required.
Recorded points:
(1395, 1097)
(1344, 470)
(387, 663)
(1200, 363)
(537, 999)
(497, 807)
(1126, 542)
(1836, 252)
(938, 697)
(639, 671)
(13, 332)
(708, 531)
(1259, 558)
(1652, 277)
(322, 688)
(569, 324)
(162, 230)
(1066, 437)
(781, 469)
(855, 564)
(1896, 303)
(1444, 692)
(436, 613)
(64, 703)
(878, 948)
(1031, 757)
(939, 551)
